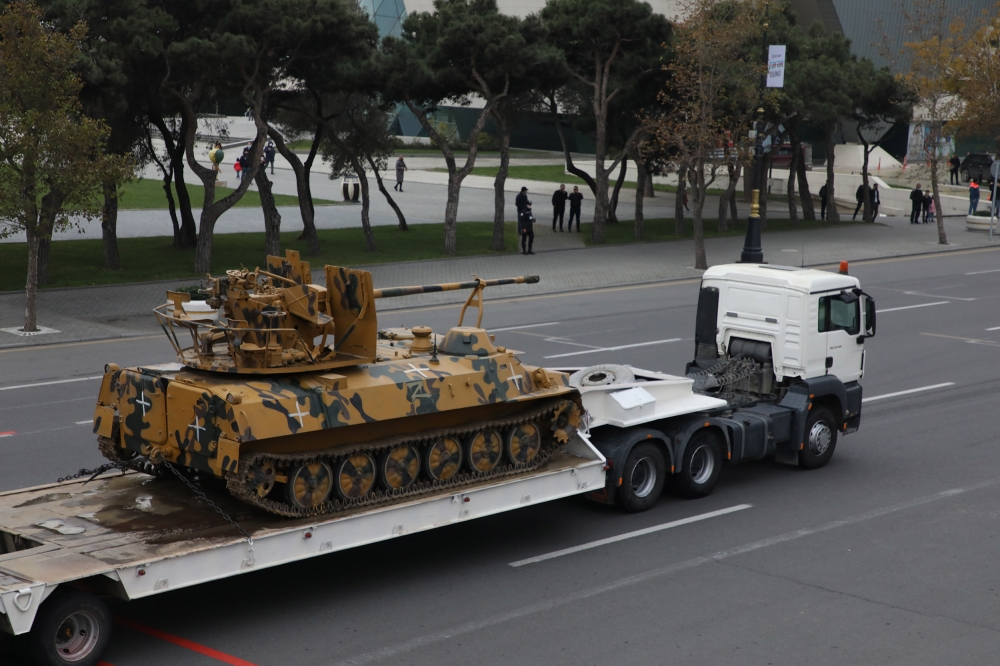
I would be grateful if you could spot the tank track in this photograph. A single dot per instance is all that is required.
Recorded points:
(239, 485)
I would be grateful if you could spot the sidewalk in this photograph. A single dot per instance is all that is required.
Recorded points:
(89, 313)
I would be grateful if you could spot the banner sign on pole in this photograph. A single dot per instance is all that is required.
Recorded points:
(776, 66)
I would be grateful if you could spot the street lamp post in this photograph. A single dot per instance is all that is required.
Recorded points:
(752, 251)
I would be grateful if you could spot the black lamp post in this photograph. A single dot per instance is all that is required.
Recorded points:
(752, 251)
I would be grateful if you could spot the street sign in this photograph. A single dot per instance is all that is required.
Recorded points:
(776, 66)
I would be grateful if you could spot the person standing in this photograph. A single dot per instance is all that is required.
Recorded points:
(575, 203)
(269, 156)
(822, 202)
(927, 204)
(930, 212)
(860, 197)
(525, 222)
(973, 196)
(559, 206)
(954, 163)
(916, 201)
(400, 169)
(876, 199)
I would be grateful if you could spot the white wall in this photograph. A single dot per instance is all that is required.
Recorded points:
(669, 8)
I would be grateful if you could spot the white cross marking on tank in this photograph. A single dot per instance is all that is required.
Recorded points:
(516, 378)
(419, 371)
(142, 401)
(197, 428)
(299, 414)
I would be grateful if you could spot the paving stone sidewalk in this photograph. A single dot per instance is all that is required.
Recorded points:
(88, 313)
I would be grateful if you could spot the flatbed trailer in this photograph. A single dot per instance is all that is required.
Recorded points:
(132, 536)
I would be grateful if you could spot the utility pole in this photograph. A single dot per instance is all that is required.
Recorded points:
(752, 251)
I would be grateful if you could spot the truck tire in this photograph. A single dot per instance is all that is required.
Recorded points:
(642, 478)
(700, 466)
(71, 628)
(821, 439)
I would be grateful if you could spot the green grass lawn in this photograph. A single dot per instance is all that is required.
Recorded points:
(74, 263)
(146, 194)
(662, 229)
(556, 173)
(306, 144)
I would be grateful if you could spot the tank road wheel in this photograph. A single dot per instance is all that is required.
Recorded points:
(355, 476)
(71, 627)
(523, 443)
(309, 485)
(262, 478)
(821, 439)
(400, 467)
(484, 450)
(443, 459)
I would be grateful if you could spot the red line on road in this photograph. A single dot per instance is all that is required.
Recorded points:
(184, 643)
(104, 663)
(8, 433)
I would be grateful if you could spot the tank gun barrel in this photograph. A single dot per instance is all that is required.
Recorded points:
(391, 292)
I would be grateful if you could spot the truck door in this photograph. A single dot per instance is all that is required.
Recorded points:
(840, 319)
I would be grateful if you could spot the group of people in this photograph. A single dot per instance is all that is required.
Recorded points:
(874, 199)
(526, 221)
(242, 163)
(923, 209)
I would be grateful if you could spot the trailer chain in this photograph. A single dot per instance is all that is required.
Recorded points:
(122, 465)
(215, 507)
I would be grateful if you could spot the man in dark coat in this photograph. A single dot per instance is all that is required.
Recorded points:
(822, 202)
(559, 206)
(860, 196)
(917, 200)
(954, 163)
(575, 202)
(269, 156)
(876, 199)
(525, 221)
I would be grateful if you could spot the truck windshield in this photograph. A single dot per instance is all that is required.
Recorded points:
(836, 315)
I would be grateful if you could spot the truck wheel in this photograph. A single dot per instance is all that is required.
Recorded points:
(700, 466)
(71, 627)
(821, 439)
(642, 478)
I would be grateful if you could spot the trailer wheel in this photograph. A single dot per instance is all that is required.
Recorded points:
(642, 478)
(71, 627)
(821, 439)
(700, 466)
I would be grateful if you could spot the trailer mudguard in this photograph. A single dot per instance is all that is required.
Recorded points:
(616, 444)
(689, 425)
(852, 419)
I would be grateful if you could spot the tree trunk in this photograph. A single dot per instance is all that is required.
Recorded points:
(109, 228)
(765, 166)
(679, 201)
(44, 247)
(698, 203)
(203, 248)
(831, 205)
(729, 198)
(939, 217)
(451, 214)
(805, 198)
(168, 191)
(600, 178)
(867, 193)
(499, 202)
(302, 171)
(366, 224)
(31, 286)
(188, 235)
(388, 198)
(272, 218)
(650, 190)
(733, 212)
(793, 209)
(641, 179)
(572, 168)
(748, 183)
(613, 212)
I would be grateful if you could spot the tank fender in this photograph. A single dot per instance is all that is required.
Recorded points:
(616, 444)
(697, 423)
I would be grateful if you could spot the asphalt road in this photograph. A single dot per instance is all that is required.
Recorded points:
(885, 556)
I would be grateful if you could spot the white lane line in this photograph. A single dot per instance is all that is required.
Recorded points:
(629, 535)
(518, 328)
(910, 307)
(995, 270)
(645, 578)
(87, 422)
(907, 392)
(59, 381)
(603, 349)
(995, 328)
(950, 298)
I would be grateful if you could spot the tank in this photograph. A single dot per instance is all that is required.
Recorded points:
(290, 393)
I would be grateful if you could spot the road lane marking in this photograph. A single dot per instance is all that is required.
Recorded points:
(908, 391)
(995, 270)
(950, 298)
(602, 349)
(995, 328)
(565, 341)
(182, 642)
(910, 307)
(955, 337)
(629, 535)
(518, 328)
(46, 404)
(58, 381)
(87, 422)
(394, 651)
(123, 339)
(8, 433)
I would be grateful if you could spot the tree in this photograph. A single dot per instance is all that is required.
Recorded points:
(711, 76)
(464, 48)
(607, 46)
(52, 157)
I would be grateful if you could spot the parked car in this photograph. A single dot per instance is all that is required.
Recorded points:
(782, 159)
(976, 166)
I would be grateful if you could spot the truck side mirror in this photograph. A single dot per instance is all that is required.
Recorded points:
(869, 316)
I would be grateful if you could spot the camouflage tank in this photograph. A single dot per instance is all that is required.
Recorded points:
(289, 392)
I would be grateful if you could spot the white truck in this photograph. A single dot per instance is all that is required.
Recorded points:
(779, 352)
